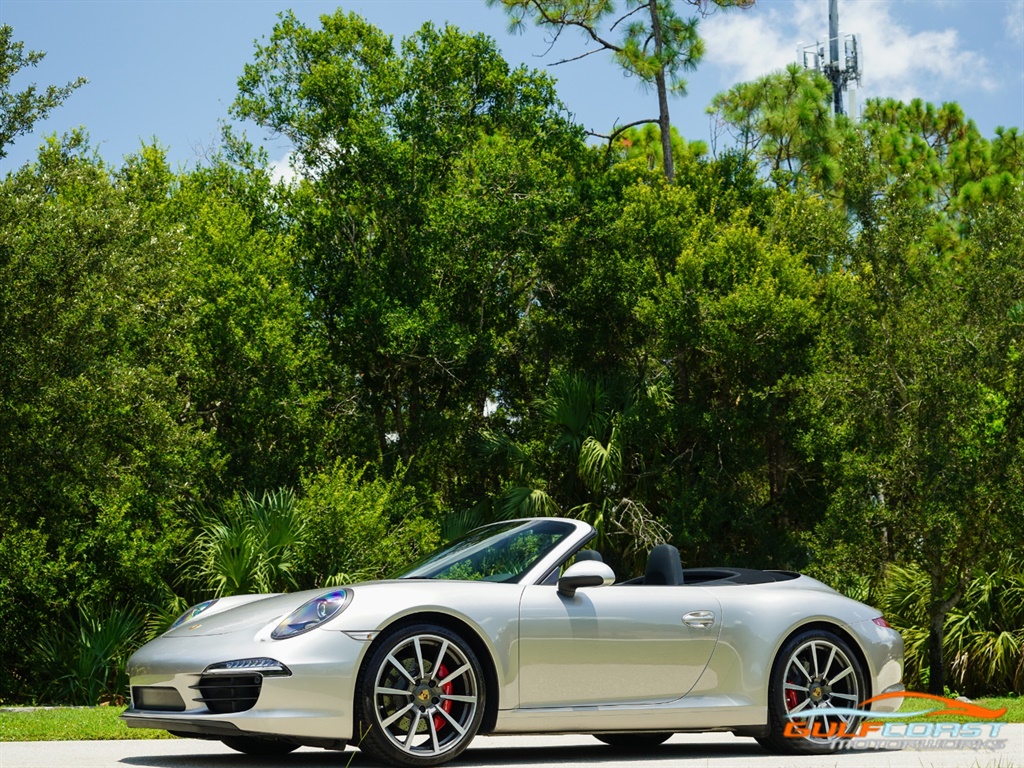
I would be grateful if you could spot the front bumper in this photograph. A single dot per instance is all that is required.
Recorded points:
(312, 705)
(883, 649)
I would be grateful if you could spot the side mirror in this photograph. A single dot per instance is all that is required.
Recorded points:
(588, 573)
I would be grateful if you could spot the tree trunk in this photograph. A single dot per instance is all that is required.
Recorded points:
(663, 117)
(938, 608)
(936, 655)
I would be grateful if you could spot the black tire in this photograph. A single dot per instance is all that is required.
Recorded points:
(251, 745)
(420, 697)
(814, 671)
(633, 742)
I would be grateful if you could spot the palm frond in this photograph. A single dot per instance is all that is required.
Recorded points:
(523, 501)
(460, 523)
(162, 614)
(251, 545)
(494, 444)
(600, 465)
(86, 656)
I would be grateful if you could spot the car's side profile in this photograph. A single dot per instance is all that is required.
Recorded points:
(516, 628)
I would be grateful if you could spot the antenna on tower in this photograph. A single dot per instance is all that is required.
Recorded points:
(840, 70)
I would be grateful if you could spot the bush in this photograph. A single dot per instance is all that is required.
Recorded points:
(360, 528)
(84, 659)
(32, 585)
(249, 545)
(984, 633)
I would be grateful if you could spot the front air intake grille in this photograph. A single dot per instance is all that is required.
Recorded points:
(157, 699)
(224, 694)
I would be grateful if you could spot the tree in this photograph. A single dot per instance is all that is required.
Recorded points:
(698, 299)
(917, 410)
(584, 458)
(151, 358)
(97, 445)
(432, 177)
(937, 148)
(645, 142)
(655, 45)
(783, 121)
(922, 373)
(735, 321)
(19, 111)
(253, 378)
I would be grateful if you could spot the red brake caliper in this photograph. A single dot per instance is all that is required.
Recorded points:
(790, 695)
(446, 705)
(791, 701)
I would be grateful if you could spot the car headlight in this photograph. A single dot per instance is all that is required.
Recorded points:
(312, 614)
(191, 613)
(266, 667)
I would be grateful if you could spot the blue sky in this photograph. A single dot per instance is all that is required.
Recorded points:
(166, 69)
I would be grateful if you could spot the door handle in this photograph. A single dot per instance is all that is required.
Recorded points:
(699, 619)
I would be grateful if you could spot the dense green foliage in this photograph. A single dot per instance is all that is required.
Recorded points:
(803, 353)
(983, 638)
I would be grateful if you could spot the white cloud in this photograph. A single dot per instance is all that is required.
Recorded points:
(1015, 21)
(932, 64)
(283, 170)
(746, 44)
(897, 61)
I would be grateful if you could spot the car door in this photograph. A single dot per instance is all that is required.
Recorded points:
(622, 644)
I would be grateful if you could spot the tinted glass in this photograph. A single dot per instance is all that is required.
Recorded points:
(501, 552)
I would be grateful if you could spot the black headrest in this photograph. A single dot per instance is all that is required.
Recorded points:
(664, 566)
(589, 554)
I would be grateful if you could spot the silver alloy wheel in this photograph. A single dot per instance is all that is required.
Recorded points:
(820, 676)
(426, 695)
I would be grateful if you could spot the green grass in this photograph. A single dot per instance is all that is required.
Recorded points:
(91, 723)
(1014, 710)
(69, 724)
(1014, 707)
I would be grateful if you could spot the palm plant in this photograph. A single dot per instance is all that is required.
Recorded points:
(524, 496)
(87, 654)
(583, 462)
(985, 639)
(984, 635)
(251, 545)
(903, 597)
(164, 611)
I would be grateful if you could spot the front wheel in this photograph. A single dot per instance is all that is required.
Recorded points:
(421, 697)
(251, 745)
(816, 683)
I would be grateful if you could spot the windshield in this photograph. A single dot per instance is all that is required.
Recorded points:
(500, 552)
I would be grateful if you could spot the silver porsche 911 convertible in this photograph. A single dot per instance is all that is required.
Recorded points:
(516, 628)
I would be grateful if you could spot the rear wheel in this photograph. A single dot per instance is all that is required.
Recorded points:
(421, 697)
(815, 678)
(251, 745)
(633, 742)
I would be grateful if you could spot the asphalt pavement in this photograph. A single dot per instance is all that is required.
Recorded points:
(708, 750)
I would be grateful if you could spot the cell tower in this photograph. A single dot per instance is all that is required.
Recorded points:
(839, 71)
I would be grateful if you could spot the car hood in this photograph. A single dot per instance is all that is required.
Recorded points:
(243, 612)
(251, 613)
